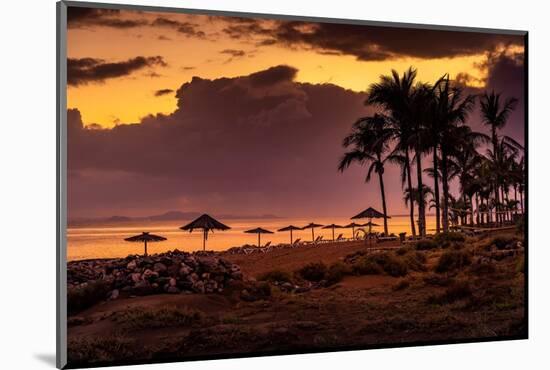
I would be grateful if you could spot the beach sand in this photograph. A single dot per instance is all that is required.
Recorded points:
(358, 311)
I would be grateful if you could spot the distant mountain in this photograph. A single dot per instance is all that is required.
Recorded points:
(167, 216)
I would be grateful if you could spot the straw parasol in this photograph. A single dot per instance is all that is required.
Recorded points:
(371, 213)
(290, 228)
(205, 223)
(370, 225)
(259, 231)
(353, 225)
(332, 226)
(312, 226)
(145, 237)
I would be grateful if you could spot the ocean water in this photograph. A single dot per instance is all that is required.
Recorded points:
(107, 240)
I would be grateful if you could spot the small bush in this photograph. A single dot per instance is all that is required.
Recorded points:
(424, 245)
(314, 271)
(276, 276)
(366, 266)
(263, 289)
(452, 260)
(438, 280)
(415, 260)
(401, 284)
(501, 242)
(336, 272)
(142, 318)
(482, 268)
(520, 225)
(445, 240)
(93, 292)
(459, 290)
(403, 250)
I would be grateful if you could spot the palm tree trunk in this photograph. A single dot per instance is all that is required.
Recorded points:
(436, 192)
(498, 216)
(421, 210)
(515, 200)
(445, 183)
(384, 210)
(521, 200)
(409, 184)
(477, 209)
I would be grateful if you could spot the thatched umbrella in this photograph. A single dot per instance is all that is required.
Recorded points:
(332, 226)
(290, 228)
(370, 225)
(353, 225)
(206, 224)
(312, 226)
(259, 231)
(145, 237)
(371, 213)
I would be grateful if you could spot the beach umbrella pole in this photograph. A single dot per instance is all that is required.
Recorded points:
(312, 235)
(145, 242)
(333, 233)
(204, 240)
(259, 240)
(290, 236)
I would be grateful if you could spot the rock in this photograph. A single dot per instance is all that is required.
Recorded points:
(159, 267)
(148, 274)
(114, 294)
(198, 287)
(184, 270)
(172, 290)
(208, 264)
(302, 289)
(172, 282)
(131, 265)
(136, 276)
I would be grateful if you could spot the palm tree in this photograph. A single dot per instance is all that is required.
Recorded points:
(495, 115)
(414, 195)
(451, 110)
(393, 93)
(369, 141)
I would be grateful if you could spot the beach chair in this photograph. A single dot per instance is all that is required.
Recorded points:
(249, 250)
(296, 243)
(340, 237)
(267, 248)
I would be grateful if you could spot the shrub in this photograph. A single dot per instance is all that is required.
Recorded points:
(520, 225)
(403, 250)
(276, 276)
(80, 298)
(336, 272)
(391, 264)
(438, 280)
(502, 241)
(401, 284)
(445, 240)
(415, 260)
(314, 271)
(482, 268)
(424, 245)
(451, 260)
(142, 318)
(366, 266)
(459, 290)
(381, 262)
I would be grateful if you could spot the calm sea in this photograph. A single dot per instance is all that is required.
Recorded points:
(106, 241)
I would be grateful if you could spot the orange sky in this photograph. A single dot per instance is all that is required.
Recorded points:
(129, 98)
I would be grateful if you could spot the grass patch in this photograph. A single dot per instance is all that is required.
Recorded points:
(415, 260)
(149, 318)
(93, 292)
(401, 284)
(482, 268)
(501, 241)
(100, 349)
(452, 260)
(314, 271)
(276, 276)
(438, 280)
(520, 266)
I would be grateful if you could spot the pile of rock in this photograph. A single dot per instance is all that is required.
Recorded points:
(171, 272)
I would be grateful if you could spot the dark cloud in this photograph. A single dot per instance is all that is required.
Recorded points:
(91, 70)
(79, 17)
(247, 144)
(164, 38)
(233, 52)
(273, 75)
(368, 43)
(186, 28)
(162, 92)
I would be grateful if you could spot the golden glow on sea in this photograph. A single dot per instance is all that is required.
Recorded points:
(128, 99)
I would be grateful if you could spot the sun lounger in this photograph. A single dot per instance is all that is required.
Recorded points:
(340, 238)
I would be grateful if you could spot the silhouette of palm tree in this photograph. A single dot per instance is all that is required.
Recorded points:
(369, 141)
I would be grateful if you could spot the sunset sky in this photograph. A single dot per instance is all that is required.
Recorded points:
(245, 115)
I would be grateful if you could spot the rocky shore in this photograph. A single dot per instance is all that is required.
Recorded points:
(171, 272)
